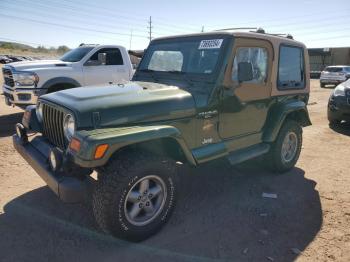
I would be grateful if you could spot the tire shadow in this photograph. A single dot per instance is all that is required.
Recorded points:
(220, 215)
(342, 128)
(8, 122)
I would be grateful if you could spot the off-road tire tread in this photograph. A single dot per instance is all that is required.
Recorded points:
(273, 158)
(113, 177)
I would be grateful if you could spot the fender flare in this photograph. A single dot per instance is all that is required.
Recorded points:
(118, 138)
(278, 115)
(60, 80)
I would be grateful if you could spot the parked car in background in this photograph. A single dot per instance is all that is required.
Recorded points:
(86, 65)
(339, 104)
(334, 75)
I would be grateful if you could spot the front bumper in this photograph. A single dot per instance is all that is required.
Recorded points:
(332, 81)
(22, 96)
(36, 152)
(339, 108)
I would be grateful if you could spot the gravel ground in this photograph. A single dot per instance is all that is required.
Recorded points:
(220, 216)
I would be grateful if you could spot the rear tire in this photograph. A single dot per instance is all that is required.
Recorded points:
(135, 195)
(334, 122)
(285, 151)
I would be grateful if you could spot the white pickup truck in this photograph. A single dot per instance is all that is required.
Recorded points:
(86, 65)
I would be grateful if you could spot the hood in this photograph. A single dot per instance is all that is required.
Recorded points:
(25, 65)
(134, 102)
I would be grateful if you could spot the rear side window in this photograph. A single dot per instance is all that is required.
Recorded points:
(291, 74)
(114, 57)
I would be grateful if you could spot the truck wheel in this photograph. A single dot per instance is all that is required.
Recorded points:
(135, 195)
(334, 122)
(285, 151)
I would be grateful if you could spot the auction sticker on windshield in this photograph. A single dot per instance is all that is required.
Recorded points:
(210, 44)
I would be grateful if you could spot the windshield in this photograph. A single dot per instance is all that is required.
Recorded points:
(334, 69)
(76, 54)
(198, 56)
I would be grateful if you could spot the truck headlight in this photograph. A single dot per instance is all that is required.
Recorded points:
(26, 78)
(69, 126)
(39, 111)
(339, 90)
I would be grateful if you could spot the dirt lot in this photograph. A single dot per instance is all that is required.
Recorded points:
(221, 215)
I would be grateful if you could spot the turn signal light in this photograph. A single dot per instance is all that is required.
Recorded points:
(100, 151)
(74, 144)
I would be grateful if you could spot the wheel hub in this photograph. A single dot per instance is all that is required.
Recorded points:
(289, 147)
(145, 200)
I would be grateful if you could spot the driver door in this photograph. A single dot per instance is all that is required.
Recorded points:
(113, 71)
(245, 105)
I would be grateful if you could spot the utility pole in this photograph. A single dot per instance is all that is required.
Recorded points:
(150, 28)
(130, 39)
(202, 28)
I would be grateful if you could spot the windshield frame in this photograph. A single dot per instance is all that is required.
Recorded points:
(89, 48)
(192, 75)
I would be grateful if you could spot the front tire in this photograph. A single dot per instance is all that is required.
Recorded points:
(135, 195)
(285, 151)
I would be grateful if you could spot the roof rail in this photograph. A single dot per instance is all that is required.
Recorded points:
(258, 30)
(82, 44)
(237, 28)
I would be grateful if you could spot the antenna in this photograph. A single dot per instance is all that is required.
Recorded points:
(150, 28)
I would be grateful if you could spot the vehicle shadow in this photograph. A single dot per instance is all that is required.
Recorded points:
(343, 128)
(220, 215)
(8, 122)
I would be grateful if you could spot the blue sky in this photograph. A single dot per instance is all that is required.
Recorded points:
(71, 22)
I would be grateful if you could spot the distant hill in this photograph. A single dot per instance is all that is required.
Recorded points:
(11, 48)
(11, 45)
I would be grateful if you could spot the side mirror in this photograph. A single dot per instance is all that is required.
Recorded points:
(102, 58)
(245, 71)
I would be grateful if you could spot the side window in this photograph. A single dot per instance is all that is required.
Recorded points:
(258, 56)
(291, 68)
(114, 57)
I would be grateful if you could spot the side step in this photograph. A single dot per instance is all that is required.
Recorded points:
(251, 152)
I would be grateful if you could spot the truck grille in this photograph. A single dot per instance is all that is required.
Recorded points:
(8, 77)
(53, 126)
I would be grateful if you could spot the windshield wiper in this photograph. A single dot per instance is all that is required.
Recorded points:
(146, 70)
(175, 72)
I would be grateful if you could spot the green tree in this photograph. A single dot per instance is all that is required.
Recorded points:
(62, 49)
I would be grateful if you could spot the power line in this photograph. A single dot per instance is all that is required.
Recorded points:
(82, 13)
(133, 15)
(285, 18)
(55, 16)
(69, 26)
(20, 42)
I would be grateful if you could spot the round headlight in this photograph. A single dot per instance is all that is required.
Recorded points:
(69, 126)
(39, 111)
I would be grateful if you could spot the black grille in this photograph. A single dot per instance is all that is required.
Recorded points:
(8, 77)
(53, 126)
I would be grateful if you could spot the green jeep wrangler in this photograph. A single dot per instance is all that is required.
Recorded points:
(193, 99)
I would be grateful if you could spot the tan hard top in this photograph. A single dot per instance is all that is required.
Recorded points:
(272, 38)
